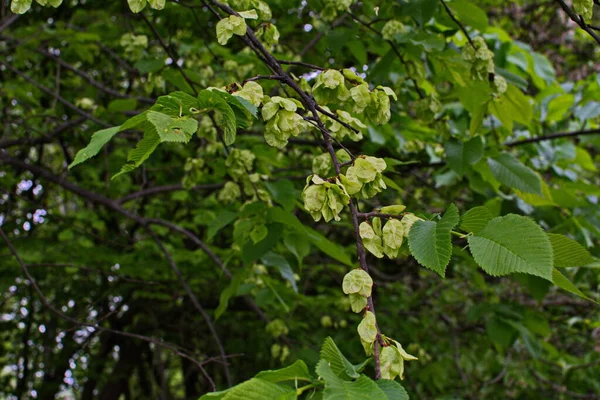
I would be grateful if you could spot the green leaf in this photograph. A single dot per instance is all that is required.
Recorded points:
(172, 129)
(470, 14)
(357, 281)
(99, 139)
(513, 243)
(209, 100)
(340, 366)
(367, 329)
(392, 389)
(328, 247)
(253, 389)
(564, 283)
(461, 155)
(136, 5)
(475, 219)
(278, 261)
(430, 243)
(567, 252)
(512, 173)
(142, 150)
(230, 291)
(222, 219)
(298, 371)
(20, 6)
(157, 4)
(336, 388)
(585, 8)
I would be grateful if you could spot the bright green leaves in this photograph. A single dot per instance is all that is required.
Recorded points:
(138, 5)
(585, 8)
(382, 241)
(567, 252)
(53, 3)
(372, 239)
(234, 25)
(339, 131)
(157, 4)
(229, 26)
(268, 33)
(392, 361)
(462, 155)
(480, 57)
(282, 121)
(430, 242)
(20, 6)
(330, 87)
(378, 108)
(364, 177)
(252, 92)
(392, 28)
(513, 244)
(99, 139)
(367, 329)
(324, 198)
(393, 236)
(358, 282)
(512, 173)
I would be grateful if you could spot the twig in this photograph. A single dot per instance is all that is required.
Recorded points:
(578, 20)
(552, 136)
(302, 64)
(457, 22)
(310, 104)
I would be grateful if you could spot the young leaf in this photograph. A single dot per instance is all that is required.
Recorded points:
(136, 5)
(20, 6)
(142, 150)
(336, 388)
(209, 100)
(367, 329)
(298, 371)
(357, 281)
(567, 252)
(157, 4)
(99, 139)
(512, 243)
(429, 242)
(512, 173)
(339, 364)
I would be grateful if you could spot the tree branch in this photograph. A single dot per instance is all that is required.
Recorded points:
(578, 20)
(552, 136)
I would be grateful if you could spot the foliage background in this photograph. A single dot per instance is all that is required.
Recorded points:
(69, 71)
